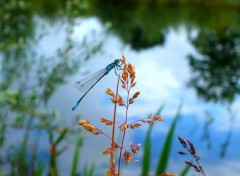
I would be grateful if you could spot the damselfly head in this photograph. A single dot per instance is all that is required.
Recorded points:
(116, 61)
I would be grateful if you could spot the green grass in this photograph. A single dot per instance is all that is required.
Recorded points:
(165, 153)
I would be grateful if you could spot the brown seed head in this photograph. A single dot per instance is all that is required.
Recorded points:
(88, 127)
(107, 151)
(106, 121)
(135, 125)
(114, 100)
(150, 122)
(109, 92)
(127, 157)
(159, 118)
(168, 174)
(123, 127)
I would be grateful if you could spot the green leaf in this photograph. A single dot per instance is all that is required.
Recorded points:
(76, 156)
(61, 136)
(147, 148)
(39, 170)
(164, 156)
(185, 170)
(8, 96)
(89, 171)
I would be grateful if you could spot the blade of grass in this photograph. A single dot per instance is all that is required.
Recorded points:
(164, 156)
(61, 136)
(39, 170)
(75, 156)
(147, 148)
(89, 171)
(185, 170)
(22, 161)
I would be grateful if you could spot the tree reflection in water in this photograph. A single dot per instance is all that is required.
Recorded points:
(216, 73)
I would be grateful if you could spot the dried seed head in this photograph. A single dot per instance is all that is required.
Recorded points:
(197, 167)
(135, 125)
(109, 92)
(115, 173)
(125, 75)
(108, 151)
(127, 157)
(114, 100)
(133, 79)
(82, 122)
(106, 121)
(109, 123)
(131, 101)
(150, 122)
(168, 174)
(192, 149)
(122, 81)
(89, 127)
(159, 118)
(103, 120)
(123, 127)
(135, 148)
(189, 163)
(123, 56)
(129, 68)
(115, 145)
(136, 94)
(120, 100)
(133, 84)
(132, 72)
(182, 141)
(150, 116)
(181, 153)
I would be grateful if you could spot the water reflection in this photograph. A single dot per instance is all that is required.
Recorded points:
(206, 132)
(32, 76)
(226, 142)
(216, 72)
(144, 24)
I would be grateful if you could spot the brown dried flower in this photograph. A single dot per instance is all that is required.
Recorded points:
(109, 92)
(123, 127)
(127, 157)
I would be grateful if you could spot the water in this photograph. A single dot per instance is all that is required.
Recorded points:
(162, 71)
(161, 75)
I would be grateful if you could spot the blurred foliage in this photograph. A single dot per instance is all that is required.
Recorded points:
(28, 79)
(216, 72)
(144, 24)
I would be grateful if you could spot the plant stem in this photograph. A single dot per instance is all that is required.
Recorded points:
(112, 166)
(124, 133)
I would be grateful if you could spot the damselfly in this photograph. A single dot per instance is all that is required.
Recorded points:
(86, 84)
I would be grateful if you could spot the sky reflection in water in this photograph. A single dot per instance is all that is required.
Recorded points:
(162, 73)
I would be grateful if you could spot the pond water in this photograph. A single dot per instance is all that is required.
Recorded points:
(166, 50)
(162, 74)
